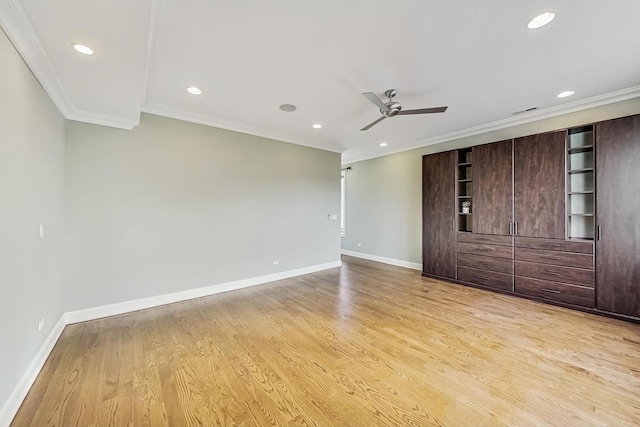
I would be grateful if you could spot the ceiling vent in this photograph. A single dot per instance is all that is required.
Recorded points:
(528, 110)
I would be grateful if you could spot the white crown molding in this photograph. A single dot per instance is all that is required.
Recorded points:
(547, 113)
(384, 260)
(10, 408)
(98, 119)
(18, 26)
(157, 17)
(16, 23)
(161, 110)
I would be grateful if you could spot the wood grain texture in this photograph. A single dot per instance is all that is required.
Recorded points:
(554, 291)
(493, 188)
(618, 207)
(438, 214)
(555, 258)
(486, 250)
(500, 265)
(488, 278)
(539, 185)
(556, 273)
(577, 246)
(485, 238)
(363, 345)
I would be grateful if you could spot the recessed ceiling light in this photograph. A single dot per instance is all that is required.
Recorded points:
(565, 93)
(317, 126)
(194, 90)
(383, 144)
(82, 49)
(541, 20)
(288, 108)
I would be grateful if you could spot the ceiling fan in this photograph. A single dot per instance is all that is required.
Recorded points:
(392, 108)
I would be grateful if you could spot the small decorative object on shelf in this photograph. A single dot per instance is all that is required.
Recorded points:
(466, 205)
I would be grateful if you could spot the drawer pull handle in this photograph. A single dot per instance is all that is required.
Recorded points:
(552, 291)
(552, 273)
(482, 277)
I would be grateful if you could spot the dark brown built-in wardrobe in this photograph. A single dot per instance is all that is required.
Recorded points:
(552, 216)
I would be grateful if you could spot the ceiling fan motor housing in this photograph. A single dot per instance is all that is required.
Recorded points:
(394, 108)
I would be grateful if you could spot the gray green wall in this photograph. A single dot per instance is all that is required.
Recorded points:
(167, 207)
(384, 195)
(32, 147)
(172, 206)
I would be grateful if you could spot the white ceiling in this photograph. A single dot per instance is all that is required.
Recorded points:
(250, 56)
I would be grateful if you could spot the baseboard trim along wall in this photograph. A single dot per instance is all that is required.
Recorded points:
(141, 304)
(10, 408)
(391, 261)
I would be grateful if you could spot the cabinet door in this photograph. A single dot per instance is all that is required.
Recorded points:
(539, 185)
(617, 210)
(438, 214)
(493, 188)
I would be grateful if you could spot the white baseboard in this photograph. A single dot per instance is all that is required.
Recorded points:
(398, 262)
(141, 304)
(11, 406)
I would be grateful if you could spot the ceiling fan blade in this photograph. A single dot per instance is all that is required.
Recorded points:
(370, 125)
(423, 111)
(373, 98)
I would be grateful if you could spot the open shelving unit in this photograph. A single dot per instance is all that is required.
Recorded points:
(465, 188)
(580, 184)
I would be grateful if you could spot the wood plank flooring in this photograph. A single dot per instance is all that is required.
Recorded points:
(364, 345)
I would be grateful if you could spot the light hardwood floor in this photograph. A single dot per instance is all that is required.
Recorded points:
(367, 344)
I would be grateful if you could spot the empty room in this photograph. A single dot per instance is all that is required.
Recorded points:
(336, 213)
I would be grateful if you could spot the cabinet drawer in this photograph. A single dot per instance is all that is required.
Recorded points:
(570, 294)
(486, 278)
(480, 262)
(556, 273)
(485, 238)
(555, 257)
(583, 247)
(486, 250)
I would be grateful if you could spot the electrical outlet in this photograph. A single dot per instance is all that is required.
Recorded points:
(41, 324)
(42, 231)
(276, 262)
(359, 245)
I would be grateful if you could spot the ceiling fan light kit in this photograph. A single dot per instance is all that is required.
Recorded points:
(392, 108)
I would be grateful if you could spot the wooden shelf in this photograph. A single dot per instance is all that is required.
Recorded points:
(580, 214)
(465, 180)
(464, 197)
(576, 171)
(572, 193)
(460, 213)
(464, 164)
(582, 149)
